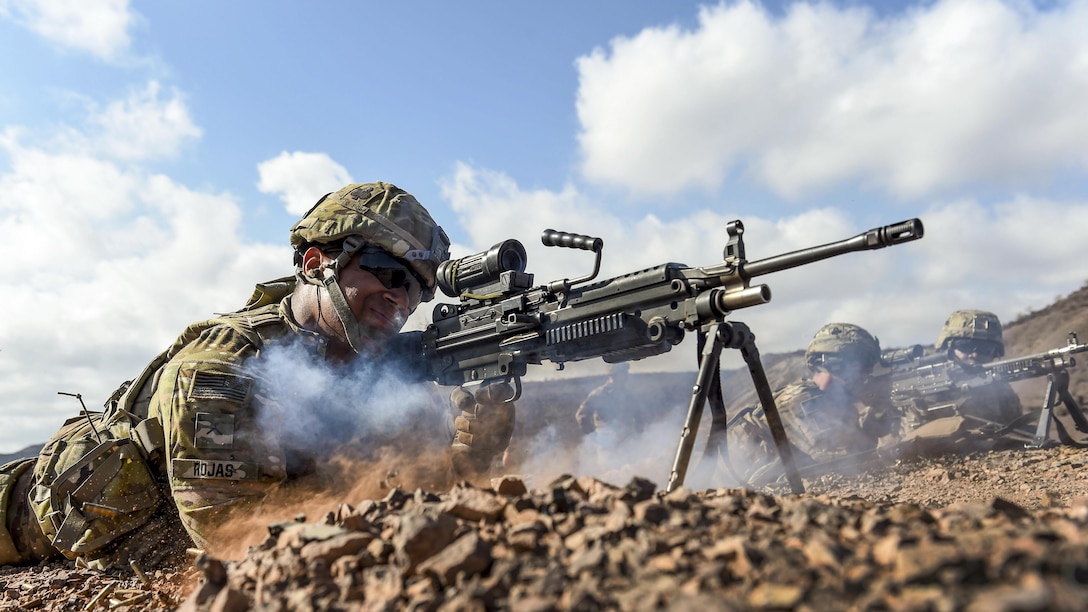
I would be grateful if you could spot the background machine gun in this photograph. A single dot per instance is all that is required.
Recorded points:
(930, 383)
(502, 322)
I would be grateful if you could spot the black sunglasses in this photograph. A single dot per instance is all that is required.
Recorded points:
(390, 278)
(979, 347)
(392, 273)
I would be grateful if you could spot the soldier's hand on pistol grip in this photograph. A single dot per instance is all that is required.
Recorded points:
(877, 415)
(876, 390)
(484, 422)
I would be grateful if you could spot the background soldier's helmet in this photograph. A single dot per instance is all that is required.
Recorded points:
(973, 325)
(383, 215)
(835, 343)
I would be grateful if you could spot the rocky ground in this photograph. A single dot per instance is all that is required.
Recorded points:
(1033, 480)
(987, 531)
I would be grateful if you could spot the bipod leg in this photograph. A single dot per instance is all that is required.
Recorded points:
(709, 355)
(1071, 404)
(1042, 429)
(750, 353)
(717, 449)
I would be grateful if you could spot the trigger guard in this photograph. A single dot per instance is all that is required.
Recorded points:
(517, 391)
(516, 380)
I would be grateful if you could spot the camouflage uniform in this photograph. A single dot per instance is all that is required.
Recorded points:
(821, 425)
(199, 395)
(208, 399)
(993, 403)
(187, 429)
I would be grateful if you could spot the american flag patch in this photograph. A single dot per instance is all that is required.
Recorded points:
(220, 386)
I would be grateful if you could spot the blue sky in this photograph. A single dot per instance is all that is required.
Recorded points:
(154, 154)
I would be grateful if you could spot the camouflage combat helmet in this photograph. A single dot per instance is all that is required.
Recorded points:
(384, 215)
(842, 341)
(973, 325)
(362, 216)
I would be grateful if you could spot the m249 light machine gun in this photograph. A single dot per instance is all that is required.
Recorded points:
(502, 322)
(935, 385)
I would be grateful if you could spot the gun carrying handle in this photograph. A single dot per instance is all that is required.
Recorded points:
(552, 237)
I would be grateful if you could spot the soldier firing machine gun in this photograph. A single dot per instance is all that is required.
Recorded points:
(503, 322)
(922, 380)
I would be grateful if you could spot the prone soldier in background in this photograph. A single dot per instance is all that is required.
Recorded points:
(186, 445)
(606, 411)
(607, 418)
(828, 416)
(969, 338)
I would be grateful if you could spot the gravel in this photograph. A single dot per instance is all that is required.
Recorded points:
(984, 531)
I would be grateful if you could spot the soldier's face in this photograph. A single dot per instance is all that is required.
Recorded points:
(973, 358)
(974, 352)
(849, 373)
(375, 306)
(377, 301)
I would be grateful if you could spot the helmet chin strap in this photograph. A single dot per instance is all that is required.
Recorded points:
(355, 335)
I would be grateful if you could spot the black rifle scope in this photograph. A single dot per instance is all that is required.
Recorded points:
(458, 276)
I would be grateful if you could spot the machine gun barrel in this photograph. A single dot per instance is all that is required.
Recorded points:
(876, 238)
(1040, 364)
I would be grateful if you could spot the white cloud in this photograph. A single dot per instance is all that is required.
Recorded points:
(98, 27)
(300, 178)
(1019, 253)
(941, 96)
(106, 265)
(149, 124)
(144, 126)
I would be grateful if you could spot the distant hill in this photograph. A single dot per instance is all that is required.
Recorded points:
(1048, 329)
(30, 451)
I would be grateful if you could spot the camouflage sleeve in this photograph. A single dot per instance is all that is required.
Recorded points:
(218, 460)
(751, 446)
(825, 425)
(879, 419)
(803, 426)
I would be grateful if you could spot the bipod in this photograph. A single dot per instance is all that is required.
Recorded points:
(712, 339)
(1057, 387)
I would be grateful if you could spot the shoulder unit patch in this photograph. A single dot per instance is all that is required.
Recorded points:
(214, 430)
